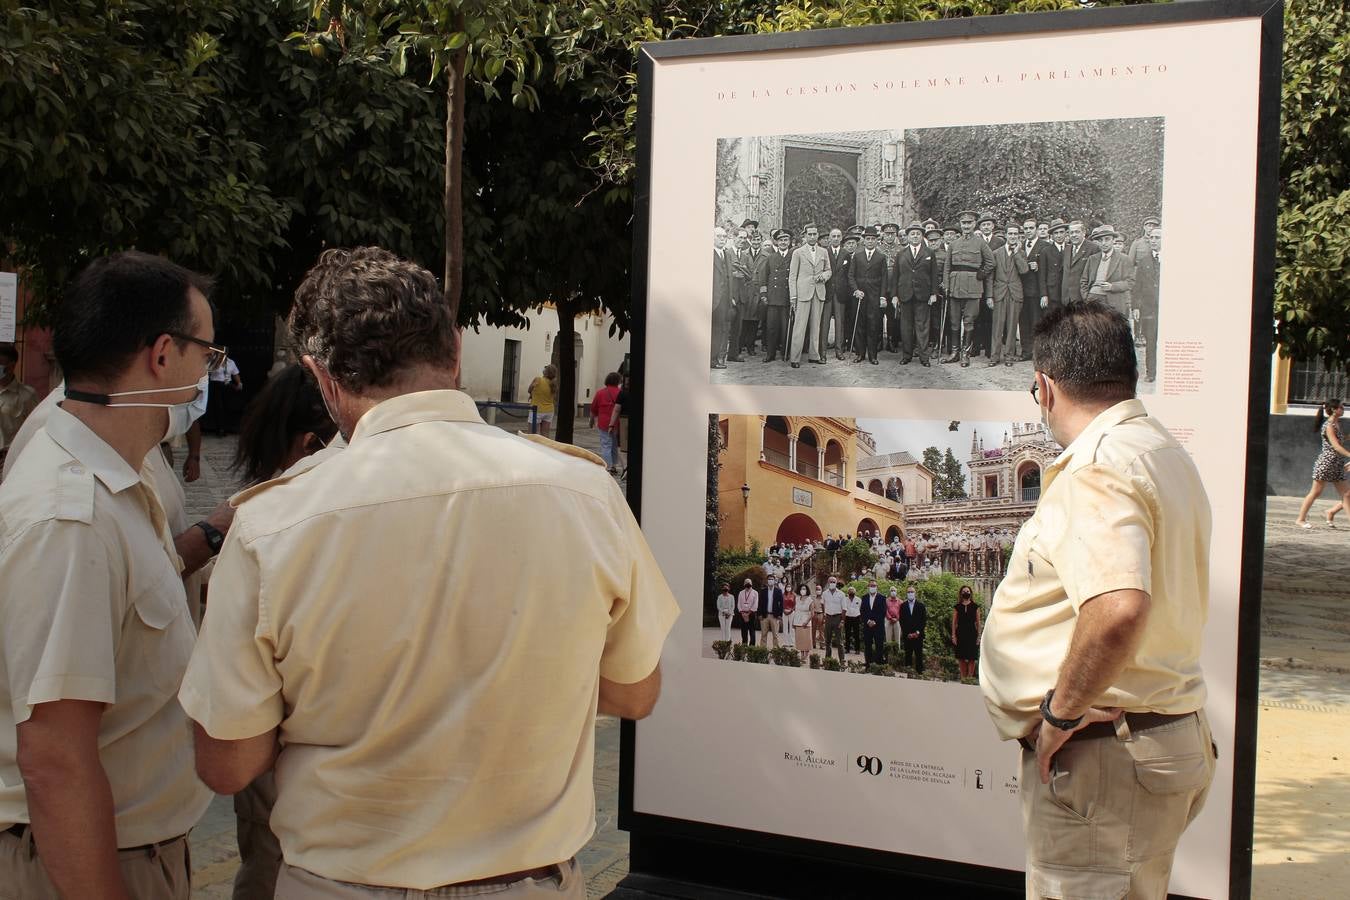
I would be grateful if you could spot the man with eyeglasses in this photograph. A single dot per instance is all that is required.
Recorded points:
(1091, 654)
(94, 627)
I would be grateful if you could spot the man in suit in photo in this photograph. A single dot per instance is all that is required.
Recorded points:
(868, 281)
(743, 295)
(808, 277)
(723, 299)
(770, 611)
(775, 294)
(916, 289)
(1052, 267)
(832, 313)
(852, 243)
(1108, 275)
(970, 262)
(1010, 264)
(1147, 278)
(1035, 241)
(1075, 258)
(984, 315)
(873, 625)
(913, 625)
(890, 247)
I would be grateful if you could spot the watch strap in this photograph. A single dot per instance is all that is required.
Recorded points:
(1047, 715)
(214, 539)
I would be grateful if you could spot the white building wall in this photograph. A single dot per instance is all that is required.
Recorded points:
(483, 353)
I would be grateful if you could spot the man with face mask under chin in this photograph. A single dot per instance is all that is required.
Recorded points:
(96, 631)
(195, 543)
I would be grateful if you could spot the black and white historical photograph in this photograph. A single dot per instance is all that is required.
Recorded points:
(923, 258)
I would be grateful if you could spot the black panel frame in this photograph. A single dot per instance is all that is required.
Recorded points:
(676, 857)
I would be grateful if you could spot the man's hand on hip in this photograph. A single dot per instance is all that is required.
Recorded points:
(1049, 738)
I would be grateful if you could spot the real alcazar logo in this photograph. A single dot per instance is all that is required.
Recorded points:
(809, 759)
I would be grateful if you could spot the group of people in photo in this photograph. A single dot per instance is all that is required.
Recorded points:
(838, 618)
(925, 292)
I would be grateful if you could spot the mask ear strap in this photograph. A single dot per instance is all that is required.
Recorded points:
(87, 397)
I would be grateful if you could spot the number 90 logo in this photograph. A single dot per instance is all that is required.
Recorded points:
(869, 765)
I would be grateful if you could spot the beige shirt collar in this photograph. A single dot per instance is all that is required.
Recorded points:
(91, 451)
(415, 408)
(1080, 452)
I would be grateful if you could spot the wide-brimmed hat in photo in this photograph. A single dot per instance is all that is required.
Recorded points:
(748, 222)
(1058, 225)
(870, 231)
(987, 217)
(931, 228)
(914, 226)
(1102, 231)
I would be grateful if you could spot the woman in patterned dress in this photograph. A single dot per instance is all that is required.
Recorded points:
(1330, 467)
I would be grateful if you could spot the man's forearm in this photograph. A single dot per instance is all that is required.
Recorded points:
(72, 820)
(1108, 632)
(193, 549)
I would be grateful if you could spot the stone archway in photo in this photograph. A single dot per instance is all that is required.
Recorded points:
(798, 528)
(868, 527)
(819, 186)
(893, 533)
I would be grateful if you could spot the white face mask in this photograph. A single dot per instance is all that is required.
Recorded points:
(910, 597)
(181, 415)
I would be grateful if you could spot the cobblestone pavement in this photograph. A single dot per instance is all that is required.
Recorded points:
(886, 373)
(1303, 770)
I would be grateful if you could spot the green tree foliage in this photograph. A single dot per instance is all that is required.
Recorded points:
(118, 133)
(1312, 302)
(1103, 171)
(949, 483)
(954, 482)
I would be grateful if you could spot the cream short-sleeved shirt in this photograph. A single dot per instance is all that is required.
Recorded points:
(92, 608)
(1121, 508)
(435, 704)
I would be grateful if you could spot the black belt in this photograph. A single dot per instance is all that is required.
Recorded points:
(18, 829)
(956, 268)
(1141, 721)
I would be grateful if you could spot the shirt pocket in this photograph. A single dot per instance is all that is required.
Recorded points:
(159, 638)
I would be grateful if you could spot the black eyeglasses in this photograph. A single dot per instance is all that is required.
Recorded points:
(215, 358)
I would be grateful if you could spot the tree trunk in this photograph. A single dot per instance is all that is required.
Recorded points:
(454, 176)
(565, 405)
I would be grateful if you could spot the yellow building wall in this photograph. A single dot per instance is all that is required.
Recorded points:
(834, 510)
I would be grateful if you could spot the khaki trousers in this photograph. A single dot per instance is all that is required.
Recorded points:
(259, 849)
(159, 873)
(768, 627)
(297, 884)
(1107, 825)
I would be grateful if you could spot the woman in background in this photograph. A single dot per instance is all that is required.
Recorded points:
(543, 393)
(285, 423)
(1329, 468)
(801, 622)
(966, 632)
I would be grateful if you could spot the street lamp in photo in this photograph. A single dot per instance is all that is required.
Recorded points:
(745, 494)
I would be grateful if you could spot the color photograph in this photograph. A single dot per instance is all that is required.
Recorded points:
(869, 546)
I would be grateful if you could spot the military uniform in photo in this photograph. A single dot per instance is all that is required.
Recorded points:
(773, 289)
(1147, 276)
(971, 262)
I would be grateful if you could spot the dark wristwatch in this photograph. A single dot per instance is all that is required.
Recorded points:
(1061, 724)
(213, 536)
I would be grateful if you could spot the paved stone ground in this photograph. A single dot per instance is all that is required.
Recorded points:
(1303, 770)
(887, 373)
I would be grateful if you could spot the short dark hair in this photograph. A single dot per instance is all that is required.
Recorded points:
(612, 379)
(1088, 350)
(288, 406)
(9, 352)
(368, 316)
(117, 306)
